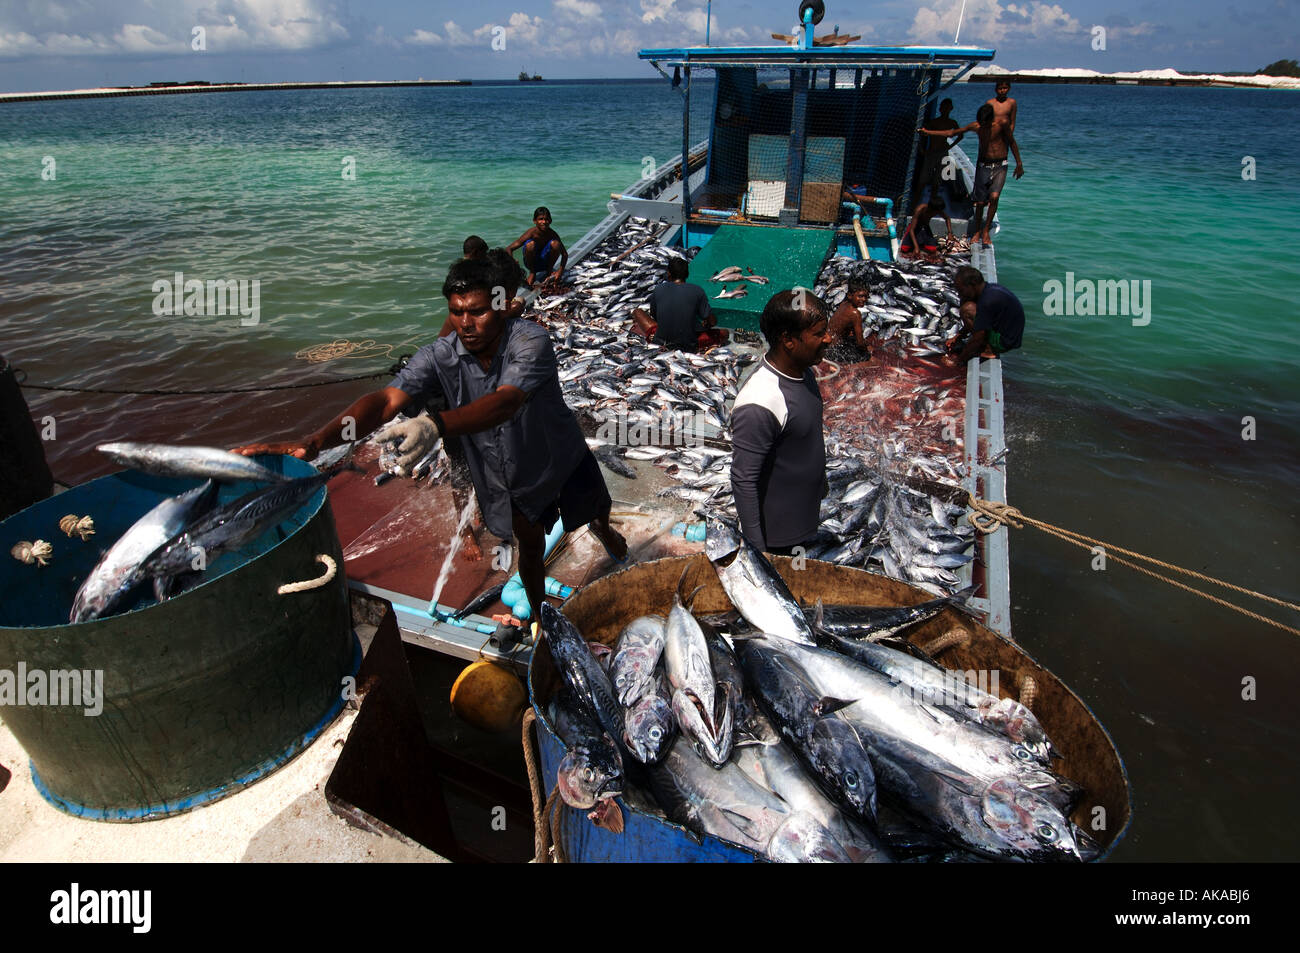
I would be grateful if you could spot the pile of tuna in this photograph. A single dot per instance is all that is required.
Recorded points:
(615, 277)
(805, 737)
(912, 301)
(885, 432)
(652, 403)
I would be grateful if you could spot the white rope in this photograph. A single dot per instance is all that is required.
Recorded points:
(331, 567)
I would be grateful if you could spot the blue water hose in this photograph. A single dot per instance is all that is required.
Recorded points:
(692, 532)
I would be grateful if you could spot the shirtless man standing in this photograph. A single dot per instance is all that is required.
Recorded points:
(995, 139)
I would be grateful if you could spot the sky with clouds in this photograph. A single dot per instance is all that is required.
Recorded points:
(63, 44)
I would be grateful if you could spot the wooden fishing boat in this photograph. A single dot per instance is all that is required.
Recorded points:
(601, 610)
(789, 127)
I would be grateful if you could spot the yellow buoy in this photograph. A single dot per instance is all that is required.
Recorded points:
(489, 696)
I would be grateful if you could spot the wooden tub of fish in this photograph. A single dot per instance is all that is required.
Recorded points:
(1083, 757)
(160, 707)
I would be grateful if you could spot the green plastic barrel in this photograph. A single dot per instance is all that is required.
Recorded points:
(202, 694)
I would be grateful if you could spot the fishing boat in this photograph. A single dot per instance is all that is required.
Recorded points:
(789, 128)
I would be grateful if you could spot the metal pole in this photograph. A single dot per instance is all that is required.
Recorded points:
(708, 21)
(961, 16)
(686, 154)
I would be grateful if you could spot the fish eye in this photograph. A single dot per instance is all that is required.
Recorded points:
(656, 733)
(588, 774)
(1046, 832)
(851, 779)
(1022, 753)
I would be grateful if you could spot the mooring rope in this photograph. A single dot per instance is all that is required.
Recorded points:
(988, 516)
(541, 832)
(1028, 691)
(555, 810)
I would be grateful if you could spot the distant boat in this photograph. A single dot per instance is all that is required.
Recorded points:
(525, 78)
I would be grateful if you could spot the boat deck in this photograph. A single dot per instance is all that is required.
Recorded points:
(396, 536)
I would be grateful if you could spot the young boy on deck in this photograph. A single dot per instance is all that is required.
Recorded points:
(995, 139)
(545, 256)
(919, 241)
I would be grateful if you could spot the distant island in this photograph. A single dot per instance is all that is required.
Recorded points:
(1149, 77)
(202, 86)
(1281, 68)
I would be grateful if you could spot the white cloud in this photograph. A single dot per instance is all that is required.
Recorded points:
(989, 21)
(424, 38)
(137, 38)
(584, 9)
(137, 27)
(652, 10)
(456, 36)
(522, 29)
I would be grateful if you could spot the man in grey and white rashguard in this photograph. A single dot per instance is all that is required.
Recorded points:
(778, 468)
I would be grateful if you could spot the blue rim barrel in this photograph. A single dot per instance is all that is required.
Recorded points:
(201, 695)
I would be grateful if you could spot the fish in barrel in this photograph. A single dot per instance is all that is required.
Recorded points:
(702, 704)
(831, 739)
(117, 573)
(162, 546)
(207, 463)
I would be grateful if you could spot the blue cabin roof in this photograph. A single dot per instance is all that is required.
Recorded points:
(821, 56)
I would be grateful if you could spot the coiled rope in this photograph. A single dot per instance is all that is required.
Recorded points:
(342, 347)
(331, 567)
(988, 516)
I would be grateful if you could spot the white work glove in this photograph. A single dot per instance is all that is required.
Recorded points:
(413, 439)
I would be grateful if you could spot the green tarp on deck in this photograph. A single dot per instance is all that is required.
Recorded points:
(788, 256)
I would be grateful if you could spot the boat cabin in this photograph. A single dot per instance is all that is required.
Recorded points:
(791, 129)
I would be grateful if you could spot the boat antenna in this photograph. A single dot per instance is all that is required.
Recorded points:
(708, 20)
(960, 17)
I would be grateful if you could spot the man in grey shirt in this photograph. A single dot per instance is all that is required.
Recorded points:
(526, 454)
(778, 465)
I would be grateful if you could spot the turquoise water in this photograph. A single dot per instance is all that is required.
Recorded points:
(1129, 434)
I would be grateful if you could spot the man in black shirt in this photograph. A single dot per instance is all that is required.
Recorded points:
(679, 313)
(999, 318)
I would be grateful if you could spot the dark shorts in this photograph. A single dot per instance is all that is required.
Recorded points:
(583, 497)
(706, 339)
(989, 179)
(787, 550)
(996, 344)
